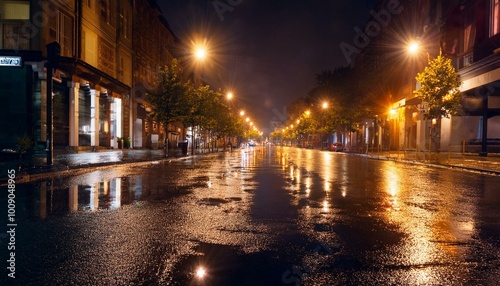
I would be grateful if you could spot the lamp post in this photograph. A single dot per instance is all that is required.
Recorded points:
(324, 106)
(307, 113)
(229, 97)
(53, 54)
(415, 49)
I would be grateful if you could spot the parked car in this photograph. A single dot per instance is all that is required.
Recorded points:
(336, 147)
(252, 143)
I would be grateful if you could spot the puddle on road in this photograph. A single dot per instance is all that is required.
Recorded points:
(112, 189)
(46, 198)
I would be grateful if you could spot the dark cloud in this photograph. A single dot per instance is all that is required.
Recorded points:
(267, 52)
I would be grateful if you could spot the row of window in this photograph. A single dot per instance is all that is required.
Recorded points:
(104, 10)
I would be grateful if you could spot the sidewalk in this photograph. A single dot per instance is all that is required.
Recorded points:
(64, 161)
(464, 161)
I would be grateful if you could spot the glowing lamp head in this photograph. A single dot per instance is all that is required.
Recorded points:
(200, 53)
(413, 47)
(201, 273)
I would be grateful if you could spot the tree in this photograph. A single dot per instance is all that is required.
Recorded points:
(439, 88)
(167, 103)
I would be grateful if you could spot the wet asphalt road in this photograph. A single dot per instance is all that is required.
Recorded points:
(259, 216)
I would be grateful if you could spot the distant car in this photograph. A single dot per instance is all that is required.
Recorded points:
(252, 143)
(336, 147)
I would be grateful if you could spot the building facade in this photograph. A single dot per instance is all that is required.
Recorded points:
(110, 51)
(467, 33)
(21, 70)
(91, 77)
(153, 44)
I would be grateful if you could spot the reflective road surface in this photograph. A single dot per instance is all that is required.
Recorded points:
(257, 216)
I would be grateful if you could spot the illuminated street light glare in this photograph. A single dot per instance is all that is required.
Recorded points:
(325, 105)
(201, 272)
(229, 95)
(308, 112)
(200, 53)
(242, 113)
(413, 47)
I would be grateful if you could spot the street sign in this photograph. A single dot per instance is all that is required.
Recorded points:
(10, 61)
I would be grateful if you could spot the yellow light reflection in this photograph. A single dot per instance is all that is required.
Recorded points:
(325, 206)
(308, 185)
(326, 168)
(327, 186)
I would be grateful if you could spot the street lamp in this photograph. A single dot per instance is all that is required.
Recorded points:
(413, 47)
(200, 53)
(229, 95)
(324, 106)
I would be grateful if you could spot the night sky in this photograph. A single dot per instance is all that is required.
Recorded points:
(267, 52)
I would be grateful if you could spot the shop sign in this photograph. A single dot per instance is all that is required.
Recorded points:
(10, 61)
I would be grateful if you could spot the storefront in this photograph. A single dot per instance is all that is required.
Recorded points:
(21, 109)
(97, 105)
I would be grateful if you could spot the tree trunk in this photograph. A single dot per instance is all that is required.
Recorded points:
(165, 140)
(192, 139)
